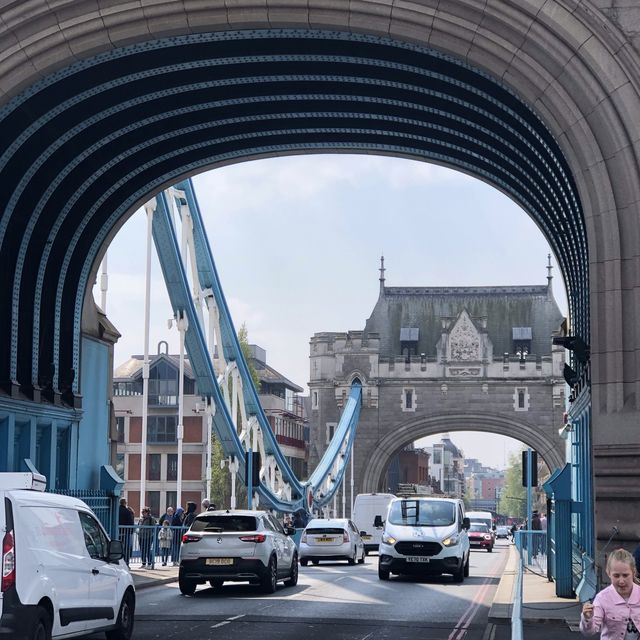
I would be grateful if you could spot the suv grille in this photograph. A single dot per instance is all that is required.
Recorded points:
(418, 548)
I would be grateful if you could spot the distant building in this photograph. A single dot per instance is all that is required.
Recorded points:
(278, 396)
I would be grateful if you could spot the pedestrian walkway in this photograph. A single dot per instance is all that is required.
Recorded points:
(539, 601)
(143, 578)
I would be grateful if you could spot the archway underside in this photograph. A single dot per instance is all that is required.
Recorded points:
(86, 146)
(378, 461)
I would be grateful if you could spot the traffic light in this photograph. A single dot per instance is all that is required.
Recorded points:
(534, 469)
(255, 468)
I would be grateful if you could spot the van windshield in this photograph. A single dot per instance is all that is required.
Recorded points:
(427, 513)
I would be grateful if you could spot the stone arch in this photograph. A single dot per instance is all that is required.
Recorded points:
(412, 430)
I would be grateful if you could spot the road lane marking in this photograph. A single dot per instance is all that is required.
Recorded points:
(461, 627)
(227, 621)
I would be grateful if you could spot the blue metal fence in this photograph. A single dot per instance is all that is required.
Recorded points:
(144, 547)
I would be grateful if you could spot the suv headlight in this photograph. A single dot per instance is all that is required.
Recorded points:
(451, 541)
(387, 539)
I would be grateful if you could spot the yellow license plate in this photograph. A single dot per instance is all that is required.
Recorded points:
(366, 537)
(219, 561)
(324, 539)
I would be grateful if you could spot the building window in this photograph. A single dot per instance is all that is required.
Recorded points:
(521, 399)
(331, 429)
(161, 429)
(172, 497)
(437, 456)
(408, 399)
(120, 428)
(314, 400)
(172, 467)
(153, 466)
(154, 503)
(119, 466)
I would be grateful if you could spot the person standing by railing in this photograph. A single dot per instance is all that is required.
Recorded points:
(125, 521)
(146, 534)
(615, 612)
(165, 539)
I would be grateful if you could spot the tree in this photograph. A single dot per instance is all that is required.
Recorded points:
(513, 501)
(243, 338)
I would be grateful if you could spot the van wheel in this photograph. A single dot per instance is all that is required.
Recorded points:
(304, 562)
(489, 549)
(458, 575)
(466, 567)
(383, 574)
(216, 583)
(124, 624)
(42, 625)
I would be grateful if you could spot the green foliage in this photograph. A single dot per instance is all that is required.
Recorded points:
(243, 338)
(221, 481)
(514, 496)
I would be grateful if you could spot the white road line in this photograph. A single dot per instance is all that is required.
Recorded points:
(227, 621)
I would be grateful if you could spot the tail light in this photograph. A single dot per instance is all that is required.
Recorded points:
(345, 536)
(304, 538)
(8, 561)
(190, 538)
(258, 537)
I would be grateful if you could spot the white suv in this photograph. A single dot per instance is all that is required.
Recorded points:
(237, 546)
(425, 536)
(61, 575)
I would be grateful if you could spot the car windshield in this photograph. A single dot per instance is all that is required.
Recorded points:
(422, 512)
(221, 523)
(476, 526)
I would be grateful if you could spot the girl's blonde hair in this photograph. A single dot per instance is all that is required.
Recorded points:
(621, 555)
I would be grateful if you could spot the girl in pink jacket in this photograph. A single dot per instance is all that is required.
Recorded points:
(615, 612)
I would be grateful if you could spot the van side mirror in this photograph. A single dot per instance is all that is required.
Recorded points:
(466, 523)
(114, 552)
(378, 521)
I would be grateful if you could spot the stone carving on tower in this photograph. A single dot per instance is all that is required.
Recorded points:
(464, 340)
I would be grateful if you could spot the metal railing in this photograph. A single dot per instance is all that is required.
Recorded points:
(532, 557)
(145, 546)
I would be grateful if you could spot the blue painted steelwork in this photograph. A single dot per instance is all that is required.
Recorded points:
(208, 385)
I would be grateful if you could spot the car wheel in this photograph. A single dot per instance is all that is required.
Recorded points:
(458, 574)
(361, 561)
(124, 624)
(352, 559)
(187, 587)
(466, 567)
(293, 575)
(42, 625)
(490, 549)
(304, 562)
(216, 583)
(383, 574)
(270, 578)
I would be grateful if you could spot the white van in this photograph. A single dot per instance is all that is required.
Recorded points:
(425, 536)
(61, 575)
(369, 513)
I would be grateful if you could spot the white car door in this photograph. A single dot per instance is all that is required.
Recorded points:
(103, 594)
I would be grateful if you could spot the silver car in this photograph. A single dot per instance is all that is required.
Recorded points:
(237, 546)
(331, 539)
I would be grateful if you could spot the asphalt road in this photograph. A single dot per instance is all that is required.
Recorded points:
(336, 601)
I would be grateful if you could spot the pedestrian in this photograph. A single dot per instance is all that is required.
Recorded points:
(125, 528)
(146, 532)
(167, 515)
(615, 611)
(176, 523)
(189, 514)
(205, 504)
(536, 525)
(165, 540)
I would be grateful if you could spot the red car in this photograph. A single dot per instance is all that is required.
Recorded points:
(480, 536)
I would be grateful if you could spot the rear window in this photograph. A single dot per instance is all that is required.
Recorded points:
(476, 526)
(326, 530)
(426, 513)
(221, 523)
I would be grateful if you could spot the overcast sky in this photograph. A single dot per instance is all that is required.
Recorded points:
(297, 243)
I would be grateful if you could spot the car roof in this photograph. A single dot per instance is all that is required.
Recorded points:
(328, 522)
(428, 499)
(234, 512)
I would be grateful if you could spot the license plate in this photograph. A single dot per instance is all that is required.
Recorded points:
(324, 539)
(417, 559)
(219, 561)
(366, 537)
